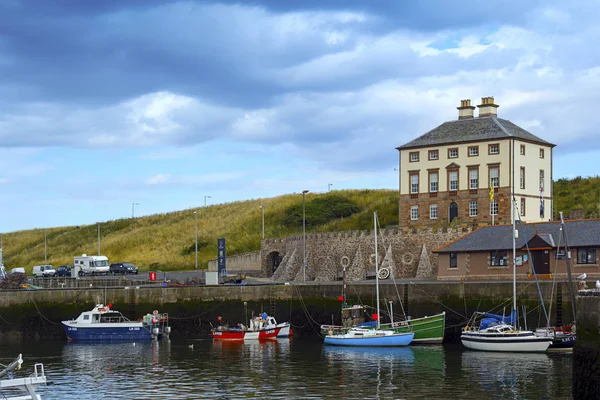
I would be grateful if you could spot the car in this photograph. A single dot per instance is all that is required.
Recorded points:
(64, 270)
(18, 270)
(43, 271)
(123, 268)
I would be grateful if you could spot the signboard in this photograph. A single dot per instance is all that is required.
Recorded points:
(519, 260)
(221, 258)
(560, 255)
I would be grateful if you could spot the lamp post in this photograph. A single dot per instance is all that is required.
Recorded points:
(262, 211)
(45, 247)
(133, 209)
(98, 238)
(329, 185)
(304, 233)
(206, 197)
(196, 215)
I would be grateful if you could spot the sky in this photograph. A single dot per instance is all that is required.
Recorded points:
(108, 103)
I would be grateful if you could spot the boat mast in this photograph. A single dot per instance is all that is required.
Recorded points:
(514, 235)
(376, 266)
(568, 257)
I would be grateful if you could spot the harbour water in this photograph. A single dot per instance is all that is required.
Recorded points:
(288, 369)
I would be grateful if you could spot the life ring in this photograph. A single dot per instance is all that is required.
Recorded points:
(467, 328)
(155, 312)
(384, 273)
(345, 261)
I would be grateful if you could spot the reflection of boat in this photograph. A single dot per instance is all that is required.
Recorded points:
(260, 328)
(357, 336)
(18, 386)
(497, 332)
(103, 323)
(404, 355)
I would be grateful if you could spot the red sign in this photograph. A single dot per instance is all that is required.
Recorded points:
(152, 276)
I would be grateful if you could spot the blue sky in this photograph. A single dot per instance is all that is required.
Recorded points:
(107, 103)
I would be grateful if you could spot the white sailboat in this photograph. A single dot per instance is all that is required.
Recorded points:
(499, 333)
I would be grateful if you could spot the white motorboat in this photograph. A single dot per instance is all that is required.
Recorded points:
(13, 388)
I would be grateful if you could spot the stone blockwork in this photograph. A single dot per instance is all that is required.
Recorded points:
(402, 254)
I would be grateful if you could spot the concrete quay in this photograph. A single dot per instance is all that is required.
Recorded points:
(586, 354)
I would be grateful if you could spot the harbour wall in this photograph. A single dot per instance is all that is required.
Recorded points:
(192, 309)
(247, 262)
(586, 355)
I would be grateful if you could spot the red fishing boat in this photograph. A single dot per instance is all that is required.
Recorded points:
(262, 327)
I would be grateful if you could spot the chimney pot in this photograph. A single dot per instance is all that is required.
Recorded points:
(488, 108)
(465, 110)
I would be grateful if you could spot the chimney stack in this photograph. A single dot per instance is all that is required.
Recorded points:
(465, 110)
(487, 108)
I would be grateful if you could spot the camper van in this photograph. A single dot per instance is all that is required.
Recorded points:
(91, 265)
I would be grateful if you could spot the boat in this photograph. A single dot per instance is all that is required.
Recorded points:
(285, 330)
(14, 388)
(498, 332)
(104, 323)
(364, 337)
(262, 327)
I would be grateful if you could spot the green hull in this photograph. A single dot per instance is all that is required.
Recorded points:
(428, 330)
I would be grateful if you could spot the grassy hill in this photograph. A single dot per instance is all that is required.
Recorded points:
(167, 241)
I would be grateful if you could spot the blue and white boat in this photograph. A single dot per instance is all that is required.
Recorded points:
(367, 337)
(103, 323)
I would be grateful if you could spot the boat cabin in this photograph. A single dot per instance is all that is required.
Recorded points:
(101, 314)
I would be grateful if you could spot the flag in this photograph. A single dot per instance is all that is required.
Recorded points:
(491, 190)
(541, 201)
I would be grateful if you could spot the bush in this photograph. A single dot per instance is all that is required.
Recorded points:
(320, 211)
(13, 281)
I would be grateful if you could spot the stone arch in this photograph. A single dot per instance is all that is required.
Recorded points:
(273, 260)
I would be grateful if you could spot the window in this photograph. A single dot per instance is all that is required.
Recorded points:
(494, 148)
(541, 153)
(453, 259)
(86, 316)
(414, 156)
(434, 154)
(498, 258)
(473, 208)
(473, 151)
(522, 178)
(522, 206)
(414, 213)
(473, 179)
(541, 180)
(414, 183)
(495, 176)
(586, 256)
(453, 153)
(433, 211)
(522, 149)
(433, 182)
(453, 180)
(494, 207)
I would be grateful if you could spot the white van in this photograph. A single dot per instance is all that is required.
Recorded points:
(19, 270)
(43, 271)
(91, 265)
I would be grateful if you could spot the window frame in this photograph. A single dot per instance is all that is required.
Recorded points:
(451, 171)
(430, 152)
(413, 153)
(588, 252)
(497, 182)
(410, 182)
(476, 208)
(541, 152)
(499, 258)
(523, 206)
(413, 216)
(542, 179)
(476, 170)
(453, 260)
(522, 178)
(522, 150)
(451, 149)
(437, 174)
(491, 145)
(476, 153)
(494, 205)
(431, 207)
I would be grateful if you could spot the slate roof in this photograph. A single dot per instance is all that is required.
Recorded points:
(499, 237)
(472, 129)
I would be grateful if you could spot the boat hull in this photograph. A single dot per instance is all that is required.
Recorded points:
(265, 334)
(562, 343)
(395, 340)
(427, 330)
(129, 331)
(285, 330)
(508, 342)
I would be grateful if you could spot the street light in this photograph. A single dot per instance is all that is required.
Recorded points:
(205, 197)
(133, 209)
(98, 238)
(196, 214)
(329, 185)
(262, 210)
(304, 233)
(45, 258)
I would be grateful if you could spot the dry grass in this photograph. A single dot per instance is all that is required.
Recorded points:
(167, 241)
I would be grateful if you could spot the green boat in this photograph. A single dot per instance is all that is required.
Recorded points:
(427, 330)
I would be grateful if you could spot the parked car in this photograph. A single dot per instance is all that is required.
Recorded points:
(123, 268)
(43, 271)
(64, 270)
(18, 270)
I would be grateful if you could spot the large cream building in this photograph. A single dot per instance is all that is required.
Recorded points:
(447, 172)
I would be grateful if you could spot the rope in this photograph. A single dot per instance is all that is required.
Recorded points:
(438, 302)
(198, 315)
(305, 309)
(38, 310)
(393, 275)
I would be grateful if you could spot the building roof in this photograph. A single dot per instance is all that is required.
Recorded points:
(579, 233)
(473, 129)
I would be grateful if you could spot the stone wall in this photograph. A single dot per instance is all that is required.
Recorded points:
(402, 254)
(239, 263)
(586, 355)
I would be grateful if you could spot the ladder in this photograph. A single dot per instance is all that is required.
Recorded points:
(272, 299)
(132, 315)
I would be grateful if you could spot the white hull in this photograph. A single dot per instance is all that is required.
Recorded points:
(519, 342)
(285, 330)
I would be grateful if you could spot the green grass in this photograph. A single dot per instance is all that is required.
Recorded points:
(167, 241)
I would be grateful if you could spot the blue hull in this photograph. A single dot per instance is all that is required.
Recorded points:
(107, 333)
(379, 341)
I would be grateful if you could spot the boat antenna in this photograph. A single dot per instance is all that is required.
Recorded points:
(568, 258)
(376, 266)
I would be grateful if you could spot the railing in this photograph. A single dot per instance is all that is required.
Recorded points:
(82, 283)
